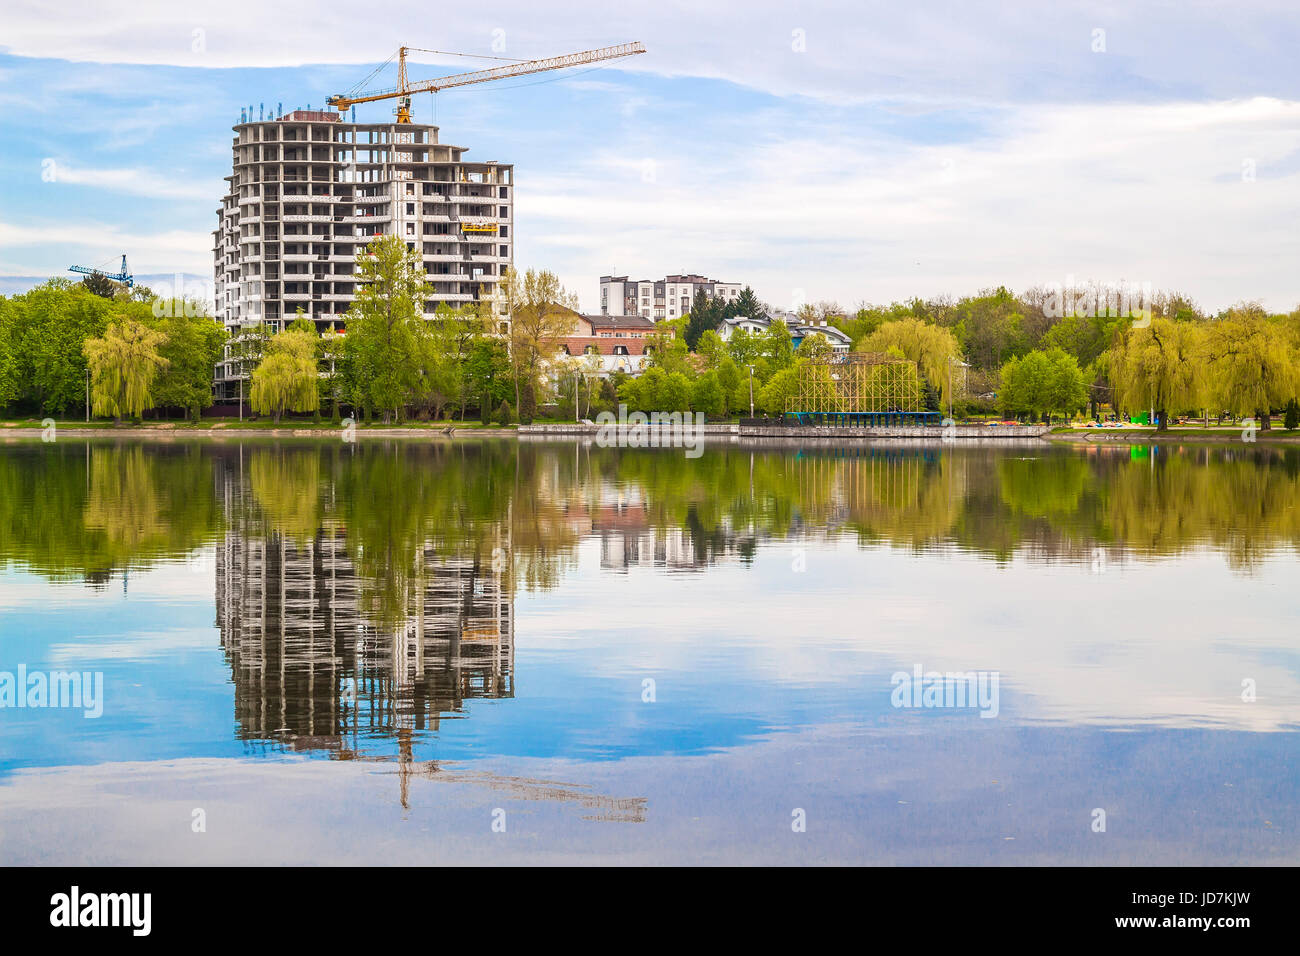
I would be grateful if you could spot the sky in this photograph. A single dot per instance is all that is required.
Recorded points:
(856, 153)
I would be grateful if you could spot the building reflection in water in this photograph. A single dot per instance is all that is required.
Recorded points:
(311, 671)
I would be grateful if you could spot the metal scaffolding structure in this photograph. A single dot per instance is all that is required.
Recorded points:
(859, 388)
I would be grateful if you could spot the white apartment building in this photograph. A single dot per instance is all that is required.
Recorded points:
(658, 299)
(308, 191)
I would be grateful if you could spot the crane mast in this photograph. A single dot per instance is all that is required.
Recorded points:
(404, 89)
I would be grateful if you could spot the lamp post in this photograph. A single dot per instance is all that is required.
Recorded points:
(87, 394)
(751, 390)
(950, 387)
(952, 360)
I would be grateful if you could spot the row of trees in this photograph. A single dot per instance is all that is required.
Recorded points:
(132, 349)
(1035, 355)
(1245, 363)
(1153, 351)
(392, 362)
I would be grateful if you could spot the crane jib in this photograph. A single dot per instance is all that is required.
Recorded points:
(524, 68)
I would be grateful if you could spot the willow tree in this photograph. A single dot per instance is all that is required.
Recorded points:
(286, 378)
(1160, 367)
(1251, 365)
(124, 364)
(934, 349)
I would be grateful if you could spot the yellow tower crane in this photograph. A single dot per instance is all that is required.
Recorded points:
(402, 92)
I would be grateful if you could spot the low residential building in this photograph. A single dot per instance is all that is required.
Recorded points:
(799, 329)
(616, 342)
(659, 299)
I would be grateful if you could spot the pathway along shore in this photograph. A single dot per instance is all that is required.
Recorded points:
(985, 434)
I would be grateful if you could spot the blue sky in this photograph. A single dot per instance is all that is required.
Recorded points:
(817, 152)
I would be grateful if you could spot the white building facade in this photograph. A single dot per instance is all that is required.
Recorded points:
(659, 299)
(799, 330)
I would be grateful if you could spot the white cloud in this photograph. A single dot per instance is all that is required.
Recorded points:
(998, 49)
(998, 148)
(136, 182)
(91, 242)
(1130, 192)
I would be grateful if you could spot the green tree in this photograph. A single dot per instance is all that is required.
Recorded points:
(667, 349)
(101, 285)
(1292, 420)
(707, 395)
(1251, 365)
(989, 327)
(729, 379)
(705, 316)
(286, 378)
(192, 348)
(748, 306)
(775, 396)
(487, 378)
(386, 326)
(814, 345)
(124, 363)
(778, 345)
(1041, 383)
(745, 347)
(935, 350)
(711, 348)
(541, 313)
(1159, 366)
(675, 395)
(42, 338)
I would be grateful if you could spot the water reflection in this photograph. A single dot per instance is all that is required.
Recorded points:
(87, 510)
(83, 511)
(390, 616)
(364, 593)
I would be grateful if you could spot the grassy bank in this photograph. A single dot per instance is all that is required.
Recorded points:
(217, 428)
(1180, 433)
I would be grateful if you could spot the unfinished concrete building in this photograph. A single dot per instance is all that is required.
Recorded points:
(308, 191)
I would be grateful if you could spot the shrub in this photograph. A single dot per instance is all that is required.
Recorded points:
(503, 414)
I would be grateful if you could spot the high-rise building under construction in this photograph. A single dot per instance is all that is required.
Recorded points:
(308, 191)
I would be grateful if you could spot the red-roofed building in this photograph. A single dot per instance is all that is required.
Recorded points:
(619, 341)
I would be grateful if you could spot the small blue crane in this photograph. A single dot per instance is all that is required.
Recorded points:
(123, 277)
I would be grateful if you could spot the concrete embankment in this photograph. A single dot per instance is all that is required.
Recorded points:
(163, 433)
(715, 432)
(916, 432)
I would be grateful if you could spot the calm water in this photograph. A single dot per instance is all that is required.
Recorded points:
(372, 653)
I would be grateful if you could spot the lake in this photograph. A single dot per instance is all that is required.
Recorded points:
(488, 651)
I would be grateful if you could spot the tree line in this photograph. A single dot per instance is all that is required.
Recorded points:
(1065, 351)
(1025, 355)
(132, 350)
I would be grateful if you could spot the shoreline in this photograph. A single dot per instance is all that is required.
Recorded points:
(726, 431)
(1153, 437)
